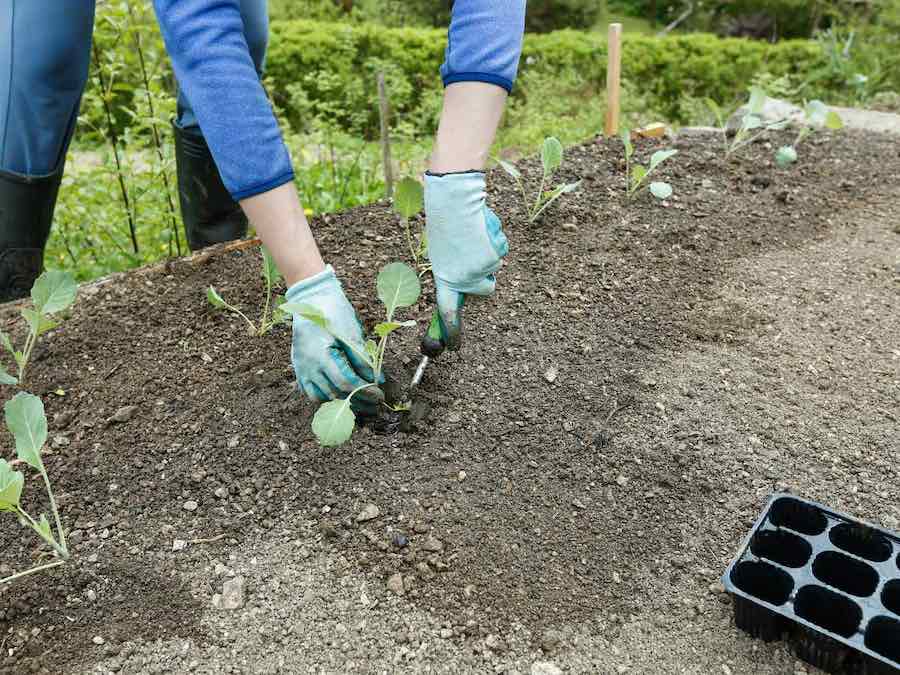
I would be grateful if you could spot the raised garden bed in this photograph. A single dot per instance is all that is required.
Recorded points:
(737, 338)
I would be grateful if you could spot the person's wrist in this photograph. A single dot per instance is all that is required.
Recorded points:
(311, 283)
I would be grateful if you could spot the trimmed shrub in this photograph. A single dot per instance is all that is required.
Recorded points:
(327, 72)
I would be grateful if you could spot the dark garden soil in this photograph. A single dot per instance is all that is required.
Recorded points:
(645, 376)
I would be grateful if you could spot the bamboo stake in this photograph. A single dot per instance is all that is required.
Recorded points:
(384, 113)
(613, 79)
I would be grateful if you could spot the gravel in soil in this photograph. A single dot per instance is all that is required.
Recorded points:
(741, 337)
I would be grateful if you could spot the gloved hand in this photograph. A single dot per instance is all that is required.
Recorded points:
(325, 367)
(465, 245)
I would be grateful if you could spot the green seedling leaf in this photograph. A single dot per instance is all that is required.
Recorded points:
(833, 121)
(270, 272)
(625, 135)
(43, 527)
(757, 100)
(816, 111)
(214, 298)
(26, 421)
(307, 312)
(37, 322)
(388, 327)
(751, 122)
(398, 286)
(555, 194)
(510, 169)
(53, 291)
(716, 111)
(409, 197)
(6, 342)
(372, 350)
(6, 378)
(11, 483)
(660, 190)
(785, 156)
(638, 173)
(551, 155)
(779, 125)
(333, 423)
(659, 157)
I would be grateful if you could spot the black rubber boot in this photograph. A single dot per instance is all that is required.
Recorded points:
(26, 213)
(209, 213)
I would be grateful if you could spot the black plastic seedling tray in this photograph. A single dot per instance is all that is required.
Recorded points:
(828, 582)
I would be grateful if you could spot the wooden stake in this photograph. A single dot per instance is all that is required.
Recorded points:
(384, 112)
(613, 78)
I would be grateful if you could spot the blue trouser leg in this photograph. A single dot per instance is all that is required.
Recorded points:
(45, 51)
(208, 43)
(484, 42)
(255, 16)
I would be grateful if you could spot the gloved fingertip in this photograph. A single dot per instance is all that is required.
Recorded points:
(495, 233)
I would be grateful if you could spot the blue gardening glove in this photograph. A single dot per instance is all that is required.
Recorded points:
(465, 245)
(325, 366)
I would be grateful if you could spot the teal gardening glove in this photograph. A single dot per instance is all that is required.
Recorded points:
(325, 366)
(465, 245)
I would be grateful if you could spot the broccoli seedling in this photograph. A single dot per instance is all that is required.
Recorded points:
(52, 292)
(26, 419)
(551, 160)
(272, 313)
(409, 199)
(398, 286)
(751, 121)
(636, 174)
(815, 114)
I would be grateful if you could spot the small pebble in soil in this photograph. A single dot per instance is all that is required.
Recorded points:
(461, 476)
(97, 640)
(400, 540)
(551, 640)
(232, 596)
(369, 512)
(123, 414)
(545, 668)
(221, 492)
(551, 374)
(190, 505)
(433, 545)
(395, 584)
(179, 545)
(454, 418)
(622, 481)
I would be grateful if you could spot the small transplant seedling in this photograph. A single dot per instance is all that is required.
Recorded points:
(398, 286)
(53, 292)
(409, 199)
(26, 420)
(752, 125)
(551, 160)
(816, 114)
(637, 174)
(272, 313)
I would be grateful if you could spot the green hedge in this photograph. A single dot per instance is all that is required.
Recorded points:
(327, 71)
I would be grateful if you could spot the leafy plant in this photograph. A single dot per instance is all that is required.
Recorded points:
(27, 422)
(551, 160)
(398, 286)
(409, 199)
(52, 292)
(637, 174)
(273, 312)
(816, 114)
(751, 125)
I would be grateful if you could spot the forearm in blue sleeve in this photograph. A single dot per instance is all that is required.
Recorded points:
(484, 42)
(206, 42)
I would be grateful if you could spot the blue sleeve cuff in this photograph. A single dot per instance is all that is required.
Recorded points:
(263, 187)
(478, 77)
